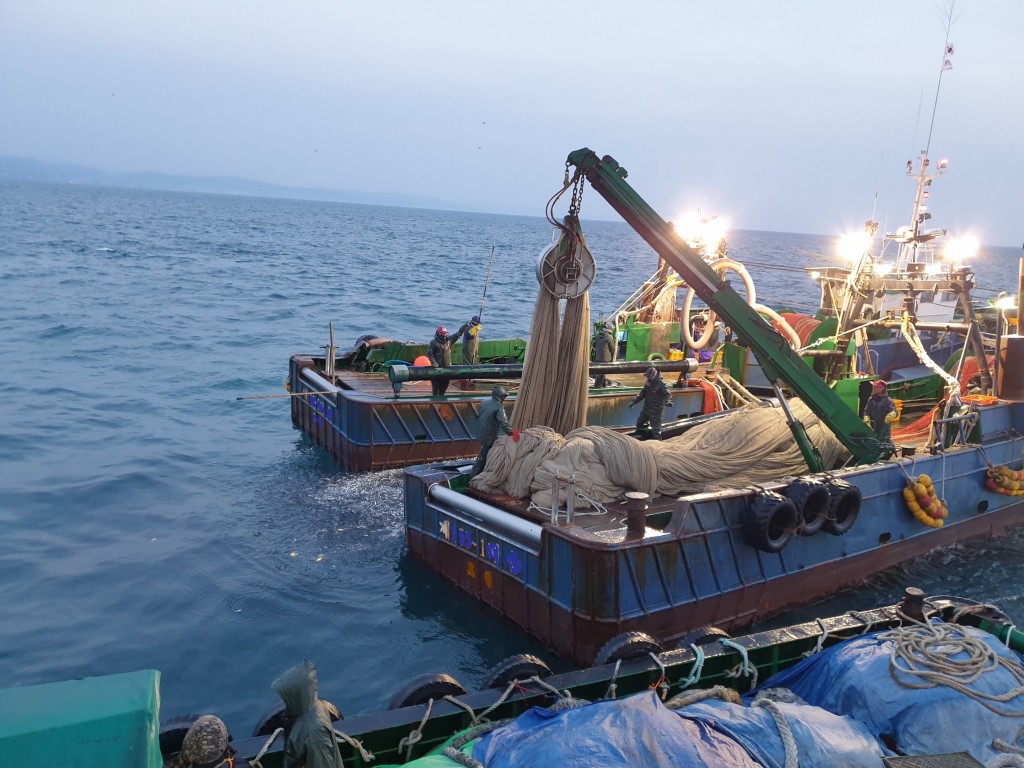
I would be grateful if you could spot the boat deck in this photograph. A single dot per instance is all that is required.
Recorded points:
(378, 385)
(609, 525)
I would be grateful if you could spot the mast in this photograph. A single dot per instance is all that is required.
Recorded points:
(924, 180)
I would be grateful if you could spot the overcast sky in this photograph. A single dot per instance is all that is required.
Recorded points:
(788, 115)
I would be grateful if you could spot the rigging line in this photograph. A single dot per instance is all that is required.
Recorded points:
(942, 68)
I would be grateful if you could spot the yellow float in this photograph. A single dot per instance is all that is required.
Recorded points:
(1009, 482)
(923, 503)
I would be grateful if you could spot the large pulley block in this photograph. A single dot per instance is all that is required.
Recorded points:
(566, 268)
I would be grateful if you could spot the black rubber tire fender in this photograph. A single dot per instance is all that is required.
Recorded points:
(844, 508)
(275, 718)
(423, 688)
(813, 503)
(770, 522)
(625, 647)
(703, 636)
(172, 733)
(520, 667)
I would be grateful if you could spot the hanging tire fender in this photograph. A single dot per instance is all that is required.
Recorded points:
(843, 508)
(813, 503)
(423, 688)
(520, 667)
(770, 522)
(702, 636)
(277, 718)
(627, 646)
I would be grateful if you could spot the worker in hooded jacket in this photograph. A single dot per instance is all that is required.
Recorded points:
(656, 399)
(439, 350)
(309, 734)
(490, 421)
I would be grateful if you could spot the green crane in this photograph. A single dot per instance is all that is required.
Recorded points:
(780, 361)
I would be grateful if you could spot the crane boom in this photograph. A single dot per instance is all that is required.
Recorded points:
(779, 360)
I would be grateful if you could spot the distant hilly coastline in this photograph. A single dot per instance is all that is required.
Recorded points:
(26, 169)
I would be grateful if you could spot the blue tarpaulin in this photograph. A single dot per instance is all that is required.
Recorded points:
(821, 738)
(853, 678)
(634, 731)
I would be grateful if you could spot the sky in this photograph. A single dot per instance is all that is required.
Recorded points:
(789, 115)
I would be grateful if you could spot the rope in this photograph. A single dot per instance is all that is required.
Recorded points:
(464, 706)
(501, 700)
(416, 734)
(744, 668)
(263, 750)
(925, 652)
(612, 686)
(661, 684)
(696, 671)
(454, 750)
(785, 732)
(692, 697)
(355, 744)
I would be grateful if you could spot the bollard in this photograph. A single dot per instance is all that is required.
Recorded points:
(636, 507)
(912, 604)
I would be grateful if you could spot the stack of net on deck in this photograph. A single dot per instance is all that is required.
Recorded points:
(748, 446)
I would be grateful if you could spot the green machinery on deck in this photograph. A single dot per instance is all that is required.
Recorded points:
(779, 361)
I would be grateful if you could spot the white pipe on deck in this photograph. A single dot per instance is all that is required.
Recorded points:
(319, 381)
(486, 513)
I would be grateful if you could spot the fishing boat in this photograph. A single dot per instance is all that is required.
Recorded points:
(373, 412)
(752, 700)
(727, 554)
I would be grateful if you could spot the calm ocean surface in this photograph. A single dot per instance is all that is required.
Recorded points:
(151, 520)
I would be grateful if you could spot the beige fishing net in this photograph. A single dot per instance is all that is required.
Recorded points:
(554, 387)
(747, 446)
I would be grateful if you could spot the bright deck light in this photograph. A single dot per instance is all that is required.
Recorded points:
(853, 245)
(1007, 302)
(960, 248)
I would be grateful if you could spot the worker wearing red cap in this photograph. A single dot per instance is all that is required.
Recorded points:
(880, 412)
(439, 350)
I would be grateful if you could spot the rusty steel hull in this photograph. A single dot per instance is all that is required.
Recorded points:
(370, 430)
(574, 590)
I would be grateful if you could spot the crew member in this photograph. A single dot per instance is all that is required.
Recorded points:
(604, 349)
(656, 399)
(880, 412)
(490, 422)
(471, 341)
(207, 744)
(439, 350)
(705, 353)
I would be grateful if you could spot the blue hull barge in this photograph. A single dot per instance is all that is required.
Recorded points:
(737, 552)
(368, 418)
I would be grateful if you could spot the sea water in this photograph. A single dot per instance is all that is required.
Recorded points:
(151, 519)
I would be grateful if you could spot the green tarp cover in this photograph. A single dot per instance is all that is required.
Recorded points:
(101, 722)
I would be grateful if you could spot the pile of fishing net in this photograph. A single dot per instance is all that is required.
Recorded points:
(750, 445)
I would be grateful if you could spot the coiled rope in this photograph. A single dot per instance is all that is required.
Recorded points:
(924, 652)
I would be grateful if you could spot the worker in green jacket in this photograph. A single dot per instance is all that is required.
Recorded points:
(490, 422)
